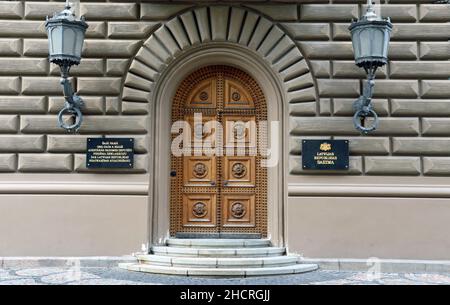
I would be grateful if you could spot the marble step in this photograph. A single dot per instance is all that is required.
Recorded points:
(212, 262)
(218, 243)
(219, 252)
(227, 272)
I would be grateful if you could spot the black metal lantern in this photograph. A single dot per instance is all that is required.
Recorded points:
(65, 40)
(370, 38)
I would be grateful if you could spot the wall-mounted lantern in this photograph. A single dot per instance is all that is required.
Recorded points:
(65, 41)
(370, 37)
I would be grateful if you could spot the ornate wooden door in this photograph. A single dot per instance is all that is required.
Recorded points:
(218, 185)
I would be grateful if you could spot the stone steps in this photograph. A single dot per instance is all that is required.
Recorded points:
(225, 272)
(218, 252)
(213, 262)
(218, 257)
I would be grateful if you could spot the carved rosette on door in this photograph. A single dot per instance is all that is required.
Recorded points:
(220, 186)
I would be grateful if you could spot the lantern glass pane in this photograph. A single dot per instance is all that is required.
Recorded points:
(55, 41)
(356, 44)
(377, 43)
(365, 42)
(79, 42)
(69, 40)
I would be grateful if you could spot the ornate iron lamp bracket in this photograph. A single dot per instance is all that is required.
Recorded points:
(72, 105)
(363, 106)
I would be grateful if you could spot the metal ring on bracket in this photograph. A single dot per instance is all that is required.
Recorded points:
(364, 114)
(78, 119)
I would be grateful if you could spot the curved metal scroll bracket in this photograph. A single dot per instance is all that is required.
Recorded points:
(363, 107)
(72, 105)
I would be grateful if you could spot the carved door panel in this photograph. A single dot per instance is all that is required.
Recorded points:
(218, 186)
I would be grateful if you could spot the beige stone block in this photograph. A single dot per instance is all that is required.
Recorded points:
(23, 66)
(22, 28)
(435, 89)
(278, 12)
(414, 107)
(42, 85)
(112, 105)
(129, 30)
(392, 165)
(325, 106)
(295, 167)
(436, 166)
(22, 104)
(436, 126)
(39, 124)
(293, 71)
(160, 11)
(10, 47)
(348, 69)
(420, 146)
(397, 126)
(11, 9)
(434, 13)
(45, 163)
(77, 143)
(434, 50)
(327, 50)
(87, 67)
(134, 108)
(145, 69)
(116, 66)
(420, 69)
(402, 50)
(40, 10)
(140, 166)
(110, 48)
(8, 123)
(302, 95)
(138, 82)
(345, 106)
(321, 68)
(115, 124)
(10, 85)
(109, 11)
(308, 31)
(22, 143)
(300, 109)
(420, 31)
(96, 86)
(318, 12)
(136, 95)
(322, 126)
(396, 88)
(175, 26)
(219, 22)
(92, 104)
(8, 162)
(338, 88)
(367, 145)
(35, 47)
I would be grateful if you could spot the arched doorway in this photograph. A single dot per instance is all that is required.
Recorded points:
(218, 186)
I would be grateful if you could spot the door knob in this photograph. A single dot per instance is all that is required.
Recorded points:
(225, 183)
(213, 183)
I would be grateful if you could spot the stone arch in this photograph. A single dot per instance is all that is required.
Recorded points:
(204, 25)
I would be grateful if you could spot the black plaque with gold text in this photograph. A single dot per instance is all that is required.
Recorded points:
(110, 153)
(325, 154)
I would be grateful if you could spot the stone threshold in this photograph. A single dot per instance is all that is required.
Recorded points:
(380, 265)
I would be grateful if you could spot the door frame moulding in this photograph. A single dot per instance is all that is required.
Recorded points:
(160, 123)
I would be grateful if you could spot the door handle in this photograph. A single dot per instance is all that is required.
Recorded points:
(225, 183)
(213, 183)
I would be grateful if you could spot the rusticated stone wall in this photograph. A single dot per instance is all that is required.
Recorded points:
(412, 92)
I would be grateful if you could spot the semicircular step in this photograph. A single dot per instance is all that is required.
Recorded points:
(225, 272)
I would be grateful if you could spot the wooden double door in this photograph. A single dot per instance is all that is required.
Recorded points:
(218, 184)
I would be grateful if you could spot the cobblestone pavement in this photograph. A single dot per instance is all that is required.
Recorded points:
(116, 276)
